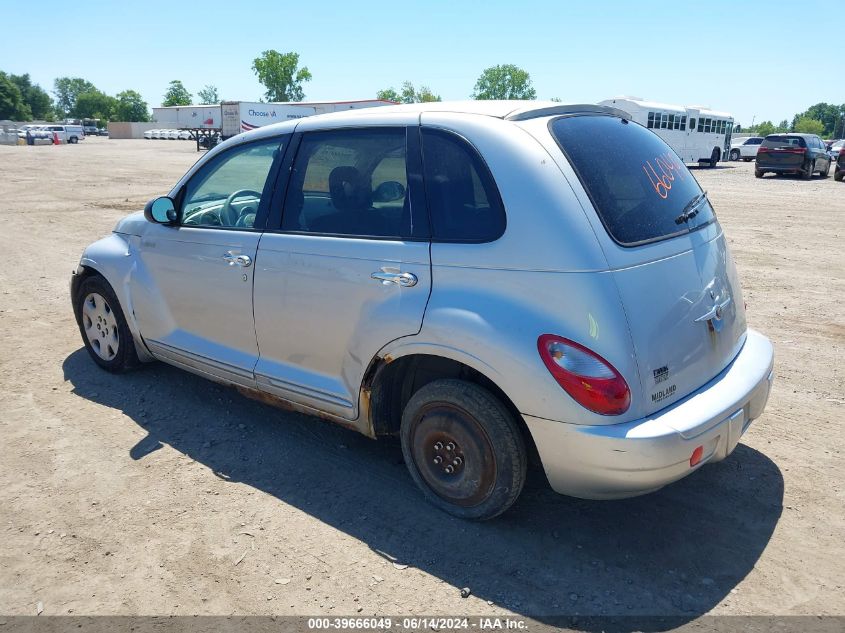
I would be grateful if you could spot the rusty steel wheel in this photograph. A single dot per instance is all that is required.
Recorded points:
(463, 449)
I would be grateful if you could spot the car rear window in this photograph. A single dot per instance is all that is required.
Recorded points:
(784, 141)
(638, 185)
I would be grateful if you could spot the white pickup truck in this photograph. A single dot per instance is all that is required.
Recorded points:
(67, 133)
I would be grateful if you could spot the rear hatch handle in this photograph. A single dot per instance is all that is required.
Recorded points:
(715, 312)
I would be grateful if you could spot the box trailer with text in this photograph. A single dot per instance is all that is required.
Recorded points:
(243, 116)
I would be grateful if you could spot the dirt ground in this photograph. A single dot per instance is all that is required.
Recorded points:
(158, 492)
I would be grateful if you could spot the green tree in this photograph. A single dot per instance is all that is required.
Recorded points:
(504, 82)
(830, 116)
(131, 107)
(281, 76)
(764, 128)
(39, 102)
(806, 125)
(67, 89)
(389, 94)
(94, 105)
(409, 94)
(783, 126)
(12, 105)
(209, 94)
(176, 95)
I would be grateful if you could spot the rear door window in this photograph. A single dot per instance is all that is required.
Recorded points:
(639, 187)
(462, 198)
(350, 183)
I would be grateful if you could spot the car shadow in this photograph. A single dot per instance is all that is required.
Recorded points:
(716, 168)
(676, 553)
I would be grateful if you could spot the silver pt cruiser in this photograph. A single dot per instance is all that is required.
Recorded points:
(483, 279)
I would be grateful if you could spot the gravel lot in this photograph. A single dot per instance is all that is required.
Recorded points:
(158, 492)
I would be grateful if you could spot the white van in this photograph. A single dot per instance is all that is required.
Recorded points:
(67, 133)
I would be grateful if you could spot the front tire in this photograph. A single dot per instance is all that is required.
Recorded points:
(103, 326)
(464, 449)
(758, 173)
(734, 154)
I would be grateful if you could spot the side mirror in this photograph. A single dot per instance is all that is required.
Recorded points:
(161, 211)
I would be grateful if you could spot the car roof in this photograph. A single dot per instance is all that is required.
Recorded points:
(510, 110)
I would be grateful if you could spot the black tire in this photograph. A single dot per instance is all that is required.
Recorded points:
(734, 154)
(125, 357)
(837, 176)
(460, 425)
(747, 160)
(759, 173)
(714, 157)
(826, 172)
(807, 174)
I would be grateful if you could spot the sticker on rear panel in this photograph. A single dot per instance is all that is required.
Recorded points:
(662, 394)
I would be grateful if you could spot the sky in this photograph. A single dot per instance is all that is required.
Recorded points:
(748, 58)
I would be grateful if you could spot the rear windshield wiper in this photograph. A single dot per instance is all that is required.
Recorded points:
(691, 209)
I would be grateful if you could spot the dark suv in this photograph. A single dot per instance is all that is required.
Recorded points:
(840, 166)
(802, 154)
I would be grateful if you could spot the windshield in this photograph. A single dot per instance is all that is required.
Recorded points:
(641, 190)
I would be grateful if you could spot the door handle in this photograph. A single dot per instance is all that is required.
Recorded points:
(406, 280)
(240, 260)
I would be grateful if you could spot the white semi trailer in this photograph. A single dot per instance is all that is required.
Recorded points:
(243, 116)
(192, 117)
(233, 117)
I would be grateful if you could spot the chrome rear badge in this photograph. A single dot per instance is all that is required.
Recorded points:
(660, 374)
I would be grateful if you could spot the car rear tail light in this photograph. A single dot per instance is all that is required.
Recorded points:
(842, 152)
(788, 150)
(587, 377)
(696, 456)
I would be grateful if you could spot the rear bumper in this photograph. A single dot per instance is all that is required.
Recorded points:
(625, 460)
(786, 169)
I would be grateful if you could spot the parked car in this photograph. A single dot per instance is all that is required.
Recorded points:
(803, 154)
(172, 135)
(840, 166)
(834, 148)
(185, 135)
(150, 134)
(746, 148)
(29, 126)
(476, 278)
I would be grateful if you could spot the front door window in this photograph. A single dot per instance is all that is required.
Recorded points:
(228, 190)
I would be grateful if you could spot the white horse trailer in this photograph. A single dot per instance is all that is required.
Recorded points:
(697, 134)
